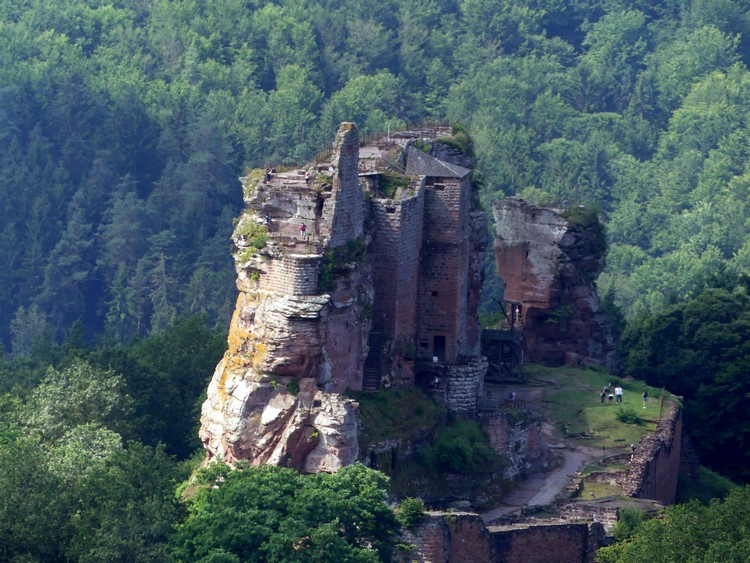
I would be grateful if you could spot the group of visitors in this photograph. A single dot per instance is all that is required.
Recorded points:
(606, 394)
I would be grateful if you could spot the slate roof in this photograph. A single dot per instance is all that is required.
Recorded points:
(421, 164)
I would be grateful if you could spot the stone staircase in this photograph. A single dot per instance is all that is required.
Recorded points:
(371, 372)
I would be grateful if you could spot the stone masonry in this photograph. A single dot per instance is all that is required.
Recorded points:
(462, 537)
(336, 306)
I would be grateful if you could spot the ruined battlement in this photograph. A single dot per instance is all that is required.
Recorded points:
(653, 470)
(292, 274)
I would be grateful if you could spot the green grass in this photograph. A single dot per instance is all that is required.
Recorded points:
(596, 468)
(570, 397)
(390, 183)
(599, 490)
(395, 413)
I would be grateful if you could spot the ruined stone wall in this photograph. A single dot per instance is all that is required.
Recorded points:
(343, 212)
(655, 465)
(445, 268)
(477, 247)
(464, 383)
(463, 537)
(346, 331)
(606, 510)
(551, 543)
(293, 274)
(521, 444)
(395, 258)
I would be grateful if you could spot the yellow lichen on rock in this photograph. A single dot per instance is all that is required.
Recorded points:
(259, 355)
(221, 383)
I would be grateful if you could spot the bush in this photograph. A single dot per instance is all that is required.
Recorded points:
(293, 387)
(411, 512)
(628, 520)
(254, 233)
(628, 415)
(460, 448)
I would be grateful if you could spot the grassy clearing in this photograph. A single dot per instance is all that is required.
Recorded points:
(596, 468)
(599, 490)
(570, 397)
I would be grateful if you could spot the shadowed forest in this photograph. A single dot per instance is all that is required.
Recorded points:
(124, 125)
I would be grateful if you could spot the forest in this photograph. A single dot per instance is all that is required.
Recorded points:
(124, 125)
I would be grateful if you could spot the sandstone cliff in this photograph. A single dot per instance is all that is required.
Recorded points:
(549, 265)
(293, 348)
(334, 306)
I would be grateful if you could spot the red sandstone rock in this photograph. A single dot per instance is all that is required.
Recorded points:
(549, 265)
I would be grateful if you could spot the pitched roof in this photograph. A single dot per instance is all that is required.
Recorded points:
(421, 164)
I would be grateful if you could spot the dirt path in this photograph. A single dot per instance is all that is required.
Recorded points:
(540, 488)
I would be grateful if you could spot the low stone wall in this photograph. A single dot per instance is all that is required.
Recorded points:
(613, 478)
(655, 464)
(520, 443)
(605, 511)
(463, 537)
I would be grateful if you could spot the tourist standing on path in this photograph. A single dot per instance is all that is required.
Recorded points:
(645, 398)
(618, 394)
(302, 230)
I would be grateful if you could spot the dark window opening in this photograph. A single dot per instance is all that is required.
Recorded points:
(438, 347)
(390, 210)
(434, 293)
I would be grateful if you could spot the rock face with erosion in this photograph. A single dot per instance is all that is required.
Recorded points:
(357, 273)
(549, 265)
(293, 348)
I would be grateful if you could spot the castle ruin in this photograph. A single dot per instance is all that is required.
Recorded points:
(360, 271)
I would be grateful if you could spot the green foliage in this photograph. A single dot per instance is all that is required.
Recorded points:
(73, 504)
(584, 219)
(293, 387)
(628, 415)
(77, 395)
(410, 512)
(628, 520)
(391, 183)
(422, 145)
(461, 447)
(341, 516)
(255, 234)
(333, 265)
(392, 413)
(690, 532)
(710, 485)
(698, 349)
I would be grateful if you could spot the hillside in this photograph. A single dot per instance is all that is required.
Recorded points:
(125, 125)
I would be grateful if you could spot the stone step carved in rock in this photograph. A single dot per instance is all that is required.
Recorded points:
(371, 372)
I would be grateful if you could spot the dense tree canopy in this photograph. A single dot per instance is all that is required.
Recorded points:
(123, 128)
(690, 532)
(700, 348)
(271, 513)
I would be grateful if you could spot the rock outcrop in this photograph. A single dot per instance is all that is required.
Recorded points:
(549, 265)
(293, 348)
(326, 305)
